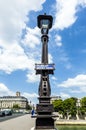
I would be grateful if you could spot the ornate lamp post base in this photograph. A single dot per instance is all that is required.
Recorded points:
(44, 123)
(46, 129)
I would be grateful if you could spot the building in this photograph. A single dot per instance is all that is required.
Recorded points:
(10, 101)
(55, 98)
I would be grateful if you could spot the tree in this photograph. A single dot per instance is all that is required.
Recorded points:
(69, 107)
(29, 107)
(16, 106)
(58, 105)
(83, 106)
(83, 102)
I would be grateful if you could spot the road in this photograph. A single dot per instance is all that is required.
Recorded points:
(19, 123)
(10, 117)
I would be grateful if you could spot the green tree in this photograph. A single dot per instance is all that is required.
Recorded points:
(69, 107)
(29, 107)
(83, 102)
(83, 106)
(58, 105)
(16, 106)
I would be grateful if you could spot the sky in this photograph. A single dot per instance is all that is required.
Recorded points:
(20, 47)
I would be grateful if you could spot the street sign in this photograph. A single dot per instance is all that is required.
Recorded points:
(44, 67)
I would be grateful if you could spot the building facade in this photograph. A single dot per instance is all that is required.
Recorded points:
(10, 101)
(53, 98)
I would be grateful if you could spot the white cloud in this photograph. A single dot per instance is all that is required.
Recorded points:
(54, 78)
(4, 91)
(32, 77)
(12, 57)
(59, 44)
(13, 18)
(13, 15)
(78, 81)
(32, 39)
(66, 12)
(30, 95)
(71, 86)
(82, 3)
(58, 40)
(50, 58)
(64, 95)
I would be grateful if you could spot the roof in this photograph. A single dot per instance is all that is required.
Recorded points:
(13, 97)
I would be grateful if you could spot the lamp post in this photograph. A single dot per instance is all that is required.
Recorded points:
(44, 119)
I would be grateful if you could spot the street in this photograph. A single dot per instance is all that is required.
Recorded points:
(4, 118)
(19, 123)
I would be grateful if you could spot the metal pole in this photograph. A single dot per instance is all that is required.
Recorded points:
(44, 109)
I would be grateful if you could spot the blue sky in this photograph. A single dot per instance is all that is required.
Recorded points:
(20, 47)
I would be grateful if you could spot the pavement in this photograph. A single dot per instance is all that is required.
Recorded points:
(24, 122)
(70, 122)
(19, 123)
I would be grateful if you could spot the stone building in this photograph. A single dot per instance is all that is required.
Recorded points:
(9, 101)
(53, 98)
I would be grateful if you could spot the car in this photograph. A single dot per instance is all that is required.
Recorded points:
(2, 113)
(8, 112)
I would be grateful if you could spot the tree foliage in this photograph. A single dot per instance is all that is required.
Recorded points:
(83, 106)
(29, 107)
(16, 106)
(66, 107)
(58, 105)
(83, 102)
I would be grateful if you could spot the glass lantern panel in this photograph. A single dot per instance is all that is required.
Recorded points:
(45, 23)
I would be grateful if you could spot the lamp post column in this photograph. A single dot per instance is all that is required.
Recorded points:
(44, 109)
(44, 86)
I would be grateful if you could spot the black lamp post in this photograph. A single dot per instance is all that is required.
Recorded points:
(44, 109)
